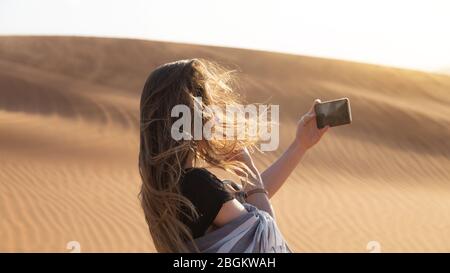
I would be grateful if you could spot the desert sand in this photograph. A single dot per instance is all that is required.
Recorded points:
(69, 143)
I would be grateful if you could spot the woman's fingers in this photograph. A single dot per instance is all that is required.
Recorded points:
(308, 117)
(311, 110)
(323, 130)
(311, 114)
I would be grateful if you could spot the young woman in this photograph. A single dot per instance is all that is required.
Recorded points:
(187, 207)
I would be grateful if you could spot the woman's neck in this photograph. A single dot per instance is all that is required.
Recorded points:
(190, 162)
(193, 162)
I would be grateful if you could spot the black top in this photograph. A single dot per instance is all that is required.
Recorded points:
(207, 193)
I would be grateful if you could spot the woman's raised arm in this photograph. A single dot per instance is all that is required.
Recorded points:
(307, 136)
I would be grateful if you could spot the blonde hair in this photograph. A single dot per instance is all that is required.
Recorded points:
(162, 159)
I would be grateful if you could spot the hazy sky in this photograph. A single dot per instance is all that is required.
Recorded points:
(403, 33)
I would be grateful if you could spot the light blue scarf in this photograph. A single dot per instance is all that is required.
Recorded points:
(253, 232)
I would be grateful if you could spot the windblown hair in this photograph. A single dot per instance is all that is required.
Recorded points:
(162, 158)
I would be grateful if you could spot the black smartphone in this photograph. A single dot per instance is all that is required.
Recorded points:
(333, 113)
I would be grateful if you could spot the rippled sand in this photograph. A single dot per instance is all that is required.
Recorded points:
(69, 143)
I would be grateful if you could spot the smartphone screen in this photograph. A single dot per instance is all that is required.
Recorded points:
(333, 113)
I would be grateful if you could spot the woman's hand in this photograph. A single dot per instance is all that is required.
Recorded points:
(259, 200)
(307, 132)
(243, 156)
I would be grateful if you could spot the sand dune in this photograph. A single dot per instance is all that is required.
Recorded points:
(69, 142)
